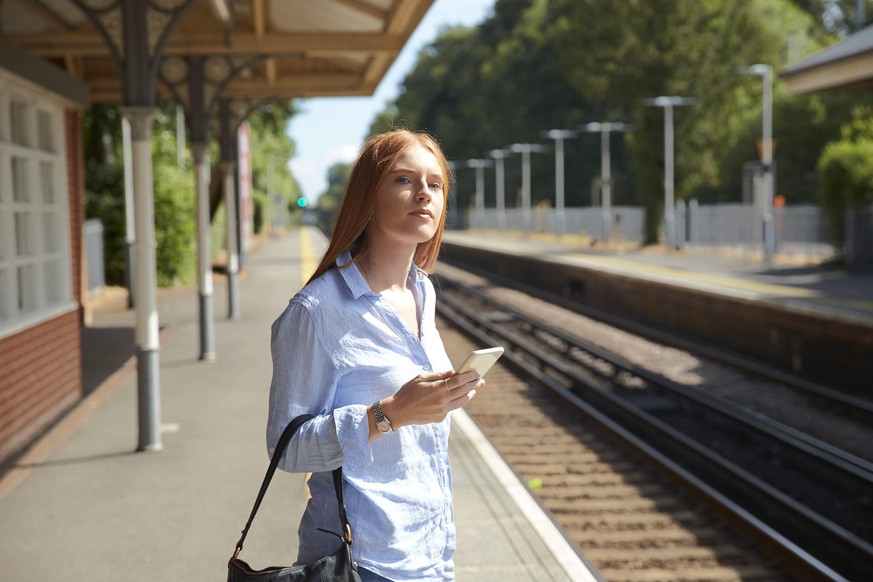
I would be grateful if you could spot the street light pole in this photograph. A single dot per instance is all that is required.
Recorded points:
(479, 166)
(605, 128)
(769, 234)
(499, 156)
(559, 135)
(525, 149)
(667, 103)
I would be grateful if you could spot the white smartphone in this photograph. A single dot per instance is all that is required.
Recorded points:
(481, 361)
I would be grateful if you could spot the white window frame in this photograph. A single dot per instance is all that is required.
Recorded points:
(18, 312)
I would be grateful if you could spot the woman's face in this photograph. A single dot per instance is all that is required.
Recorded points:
(409, 200)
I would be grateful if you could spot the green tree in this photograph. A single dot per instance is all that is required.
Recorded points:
(472, 88)
(541, 64)
(271, 152)
(837, 17)
(846, 171)
(330, 200)
(173, 192)
(618, 54)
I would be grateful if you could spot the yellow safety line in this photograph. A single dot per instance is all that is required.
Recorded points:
(308, 263)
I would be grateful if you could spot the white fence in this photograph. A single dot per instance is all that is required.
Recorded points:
(799, 229)
(93, 231)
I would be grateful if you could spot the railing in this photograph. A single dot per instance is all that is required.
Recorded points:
(799, 230)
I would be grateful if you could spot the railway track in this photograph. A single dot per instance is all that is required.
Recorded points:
(802, 497)
(851, 405)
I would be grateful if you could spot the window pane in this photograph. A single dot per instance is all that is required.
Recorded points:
(26, 288)
(22, 235)
(49, 233)
(53, 286)
(47, 178)
(44, 125)
(20, 192)
(18, 122)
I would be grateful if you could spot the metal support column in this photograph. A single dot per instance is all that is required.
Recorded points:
(147, 333)
(232, 243)
(204, 257)
(129, 219)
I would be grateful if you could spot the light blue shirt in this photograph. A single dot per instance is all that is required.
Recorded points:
(337, 348)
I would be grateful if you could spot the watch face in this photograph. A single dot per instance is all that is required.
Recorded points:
(384, 426)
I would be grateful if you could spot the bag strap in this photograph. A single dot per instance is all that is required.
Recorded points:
(287, 434)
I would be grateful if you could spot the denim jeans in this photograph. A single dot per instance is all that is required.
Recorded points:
(367, 576)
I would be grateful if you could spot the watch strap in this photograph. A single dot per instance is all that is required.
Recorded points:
(382, 421)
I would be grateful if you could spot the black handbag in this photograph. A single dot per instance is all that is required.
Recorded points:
(338, 566)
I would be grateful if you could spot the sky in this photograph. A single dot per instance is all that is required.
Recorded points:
(332, 129)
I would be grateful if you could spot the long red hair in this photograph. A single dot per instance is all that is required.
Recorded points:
(376, 159)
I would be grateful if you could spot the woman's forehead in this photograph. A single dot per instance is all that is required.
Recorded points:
(417, 157)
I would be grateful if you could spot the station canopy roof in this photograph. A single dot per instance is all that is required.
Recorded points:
(846, 66)
(294, 48)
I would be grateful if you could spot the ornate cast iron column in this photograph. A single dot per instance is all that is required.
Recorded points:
(135, 32)
(197, 83)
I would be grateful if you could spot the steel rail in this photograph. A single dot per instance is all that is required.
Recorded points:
(858, 407)
(861, 550)
(826, 452)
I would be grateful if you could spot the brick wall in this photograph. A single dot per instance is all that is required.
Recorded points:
(40, 367)
(40, 378)
(76, 186)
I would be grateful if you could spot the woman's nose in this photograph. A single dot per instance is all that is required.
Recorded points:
(424, 191)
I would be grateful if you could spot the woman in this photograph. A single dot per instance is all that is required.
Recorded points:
(357, 348)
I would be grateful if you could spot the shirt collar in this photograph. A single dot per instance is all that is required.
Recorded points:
(355, 280)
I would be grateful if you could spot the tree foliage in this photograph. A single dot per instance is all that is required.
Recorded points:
(846, 170)
(173, 186)
(329, 202)
(534, 65)
(271, 152)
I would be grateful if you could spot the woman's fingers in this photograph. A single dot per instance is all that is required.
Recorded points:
(456, 381)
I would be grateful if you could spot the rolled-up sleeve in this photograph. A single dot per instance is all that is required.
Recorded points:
(304, 382)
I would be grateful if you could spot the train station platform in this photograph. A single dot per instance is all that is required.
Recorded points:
(81, 505)
(813, 321)
(813, 286)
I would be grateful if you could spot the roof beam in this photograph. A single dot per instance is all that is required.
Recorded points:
(366, 8)
(259, 17)
(48, 13)
(273, 44)
(245, 87)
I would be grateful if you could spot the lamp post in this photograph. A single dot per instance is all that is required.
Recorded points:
(500, 186)
(667, 103)
(559, 135)
(605, 128)
(525, 149)
(766, 74)
(480, 165)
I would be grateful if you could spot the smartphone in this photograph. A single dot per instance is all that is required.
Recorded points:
(481, 361)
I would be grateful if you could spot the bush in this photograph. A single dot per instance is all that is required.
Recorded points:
(175, 226)
(845, 170)
(104, 199)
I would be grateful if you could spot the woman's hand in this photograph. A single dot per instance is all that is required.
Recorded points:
(429, 398)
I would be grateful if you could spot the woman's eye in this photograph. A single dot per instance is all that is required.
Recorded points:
(435, 186)
(403, 180)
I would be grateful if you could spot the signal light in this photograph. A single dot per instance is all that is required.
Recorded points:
(301, 202)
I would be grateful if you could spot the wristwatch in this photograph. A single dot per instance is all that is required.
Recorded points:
(382, 422)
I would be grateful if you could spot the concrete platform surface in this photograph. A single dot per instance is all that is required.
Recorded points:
(821, 288)
(80, 504)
